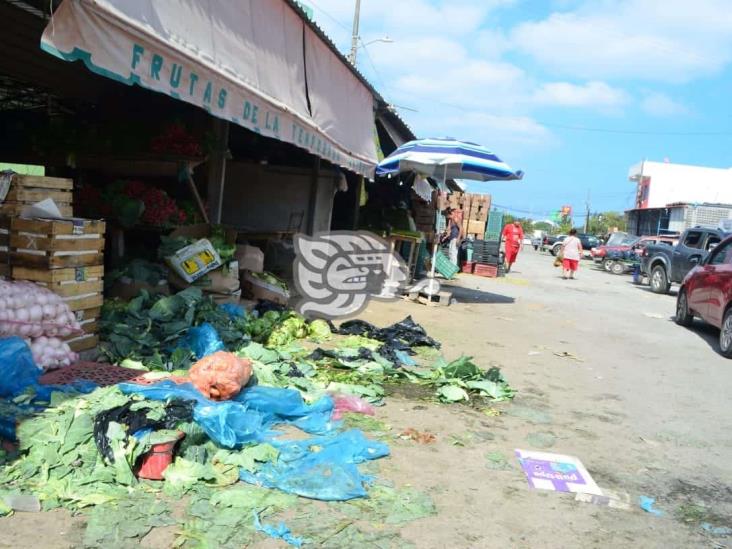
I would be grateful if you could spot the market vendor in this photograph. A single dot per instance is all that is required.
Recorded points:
(513, 235)
(453, 234)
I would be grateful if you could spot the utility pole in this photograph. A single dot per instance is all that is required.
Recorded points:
(587, 206)
(354, 36)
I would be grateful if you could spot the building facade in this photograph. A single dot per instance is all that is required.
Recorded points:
(659, 184)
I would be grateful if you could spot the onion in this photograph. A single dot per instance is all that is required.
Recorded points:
(23, 315)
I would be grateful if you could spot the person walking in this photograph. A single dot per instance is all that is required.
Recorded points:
(513, 236)
(571, 254)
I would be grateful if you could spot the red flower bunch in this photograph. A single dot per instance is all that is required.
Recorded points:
(175, 139)
(160, 209)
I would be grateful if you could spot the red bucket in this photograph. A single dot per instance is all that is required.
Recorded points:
(157, 459)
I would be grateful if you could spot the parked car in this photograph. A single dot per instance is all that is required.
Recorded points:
(666, 265)
(588, 242)
(604, 254)
(706, 292)
(550, 241)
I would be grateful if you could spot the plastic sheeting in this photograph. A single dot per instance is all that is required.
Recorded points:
(323, 468)
(19, 373)
(248, 417)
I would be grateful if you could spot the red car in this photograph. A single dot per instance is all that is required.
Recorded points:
(706, 292)
(628, 243)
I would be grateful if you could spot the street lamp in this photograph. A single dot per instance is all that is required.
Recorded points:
(357, 46)
(385, 40)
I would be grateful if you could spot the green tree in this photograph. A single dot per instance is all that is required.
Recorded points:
(603, 223)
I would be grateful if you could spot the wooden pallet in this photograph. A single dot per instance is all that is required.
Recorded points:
(41, 182)
(54, 244)
(442, 298)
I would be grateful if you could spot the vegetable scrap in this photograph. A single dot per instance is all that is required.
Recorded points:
(418, 436)
(222, 381)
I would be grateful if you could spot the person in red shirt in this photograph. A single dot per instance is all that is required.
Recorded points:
(513, 236)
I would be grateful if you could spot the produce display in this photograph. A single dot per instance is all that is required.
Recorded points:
(35, 313)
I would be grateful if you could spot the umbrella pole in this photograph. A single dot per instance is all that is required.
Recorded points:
(431, 286)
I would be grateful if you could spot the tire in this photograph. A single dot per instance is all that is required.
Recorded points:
(659, 280)
(555, 250)
(725, 335)
(617, 268)
(607, 265)
(683, 317)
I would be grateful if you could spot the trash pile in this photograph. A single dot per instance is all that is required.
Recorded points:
(218, 387)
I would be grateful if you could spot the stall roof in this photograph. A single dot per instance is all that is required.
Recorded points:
(263, 65)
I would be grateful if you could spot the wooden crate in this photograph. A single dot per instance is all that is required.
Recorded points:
(16, 208)
(84, 342)
(4, 243)
(29, 189)
(54, 244)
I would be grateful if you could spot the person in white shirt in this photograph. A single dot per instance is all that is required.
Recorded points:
(571, 254)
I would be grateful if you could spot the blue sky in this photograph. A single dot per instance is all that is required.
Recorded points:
(522, 76)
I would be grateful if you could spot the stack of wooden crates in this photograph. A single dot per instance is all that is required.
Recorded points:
(64, 255)
(474, 208)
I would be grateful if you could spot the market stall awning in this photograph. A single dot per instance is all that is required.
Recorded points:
(254, 63)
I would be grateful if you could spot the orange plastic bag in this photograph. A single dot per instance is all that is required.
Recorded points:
(220, 376)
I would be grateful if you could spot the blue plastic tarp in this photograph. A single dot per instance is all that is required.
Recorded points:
(324, 467)
(250, 416)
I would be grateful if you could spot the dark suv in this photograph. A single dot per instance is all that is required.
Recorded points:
(588, 242)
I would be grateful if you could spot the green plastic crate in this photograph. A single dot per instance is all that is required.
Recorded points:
(494, 226)
(444, 266)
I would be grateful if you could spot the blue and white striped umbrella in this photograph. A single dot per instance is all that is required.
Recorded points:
(444, 159)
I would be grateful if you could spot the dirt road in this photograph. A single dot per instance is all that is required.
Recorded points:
(641, 401)
(603, 374)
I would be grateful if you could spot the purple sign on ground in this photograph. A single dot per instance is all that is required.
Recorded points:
(556, 472)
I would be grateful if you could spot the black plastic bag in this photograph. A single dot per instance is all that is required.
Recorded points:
(176, 411)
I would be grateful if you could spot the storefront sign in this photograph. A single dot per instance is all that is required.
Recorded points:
(236, 78)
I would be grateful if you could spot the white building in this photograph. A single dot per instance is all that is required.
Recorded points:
(660, 184)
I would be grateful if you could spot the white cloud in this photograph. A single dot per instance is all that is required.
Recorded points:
(673, 41)
(592, 94)
(662, 106)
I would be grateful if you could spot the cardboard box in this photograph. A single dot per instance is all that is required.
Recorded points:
(250, 258)
(259, 289)
(476, 227)
(224, 280)
(203, 264)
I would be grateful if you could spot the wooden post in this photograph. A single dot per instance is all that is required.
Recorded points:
(217, 169)
(357, 203)
(313, 200)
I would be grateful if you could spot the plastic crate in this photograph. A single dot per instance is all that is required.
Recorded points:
(490, 271)
(445, 267)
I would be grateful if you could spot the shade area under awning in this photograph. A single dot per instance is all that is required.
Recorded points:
(254, 63)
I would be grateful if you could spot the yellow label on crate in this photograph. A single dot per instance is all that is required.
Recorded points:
(194, 261)
(207, 257)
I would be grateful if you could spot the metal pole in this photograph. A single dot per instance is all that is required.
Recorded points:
(217, 169)
(354, 36)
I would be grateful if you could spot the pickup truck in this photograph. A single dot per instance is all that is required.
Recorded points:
(666, 265)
